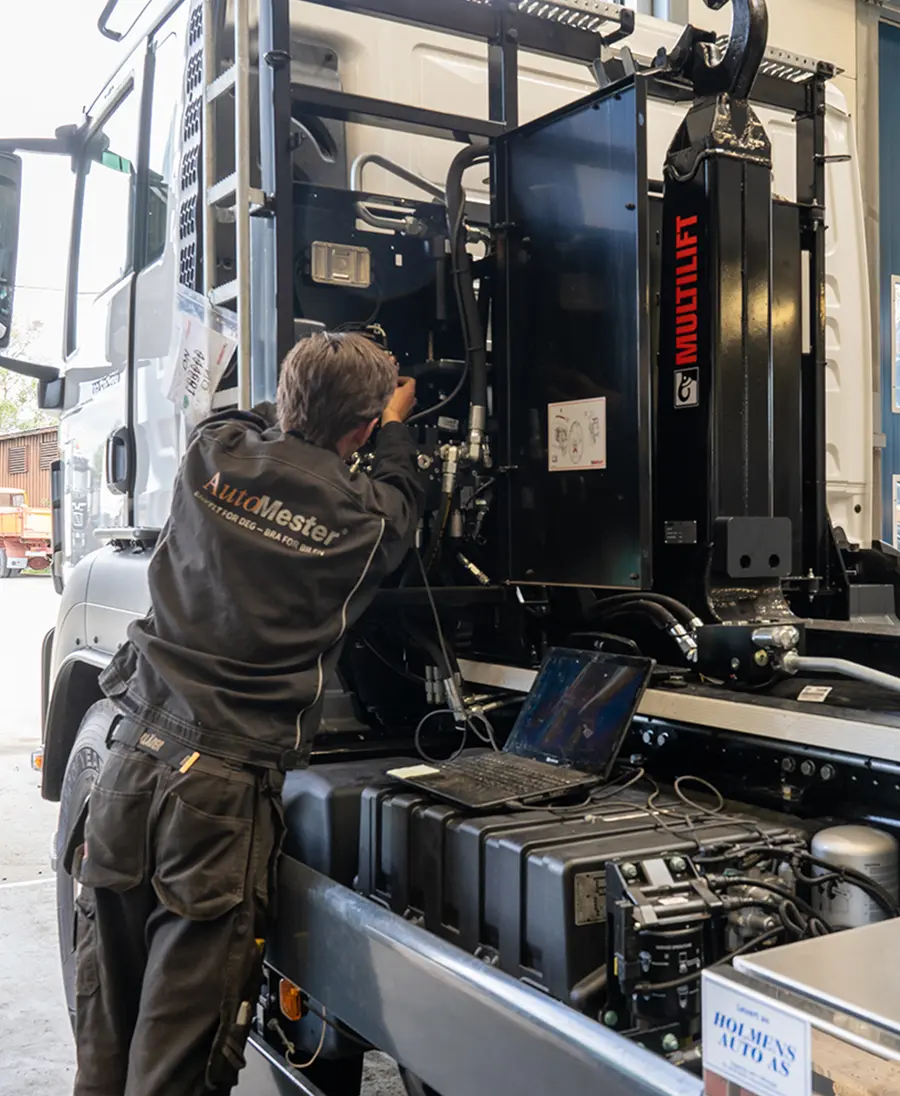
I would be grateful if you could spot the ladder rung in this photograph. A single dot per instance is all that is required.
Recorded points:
(224, 188)
(221, 84)
(224, 293)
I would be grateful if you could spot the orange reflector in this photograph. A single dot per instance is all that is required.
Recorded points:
(289, 1000)
(37, 760)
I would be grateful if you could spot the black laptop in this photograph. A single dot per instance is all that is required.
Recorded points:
(567, 737)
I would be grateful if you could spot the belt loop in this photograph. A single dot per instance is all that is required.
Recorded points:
(111, 733)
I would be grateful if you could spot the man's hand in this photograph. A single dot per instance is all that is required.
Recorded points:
(402, 402)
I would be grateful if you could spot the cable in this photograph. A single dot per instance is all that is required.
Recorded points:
(316, 1052)
(399, 670)
(442, 403)
(417, 738)
(726, 881)
(883, 897)
(699, 806)
(490, 737)
(339, 1028)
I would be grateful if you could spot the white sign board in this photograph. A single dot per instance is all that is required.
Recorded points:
(753, 1042)
(577, 435)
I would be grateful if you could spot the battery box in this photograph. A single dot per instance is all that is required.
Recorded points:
(524, 890)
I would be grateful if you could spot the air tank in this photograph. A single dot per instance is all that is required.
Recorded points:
(866, 850)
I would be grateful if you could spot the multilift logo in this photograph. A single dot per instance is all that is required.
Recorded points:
(240, 506)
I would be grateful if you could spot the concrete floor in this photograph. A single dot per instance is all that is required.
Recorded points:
(35, 1038)
(36, 1052)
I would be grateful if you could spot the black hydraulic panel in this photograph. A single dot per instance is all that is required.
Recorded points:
(572, 343)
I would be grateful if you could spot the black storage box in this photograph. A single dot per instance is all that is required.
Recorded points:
(525, 890)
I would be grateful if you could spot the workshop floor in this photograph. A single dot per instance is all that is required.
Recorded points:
(36, 1053)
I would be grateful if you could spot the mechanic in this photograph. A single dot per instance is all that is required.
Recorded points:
(271, 553)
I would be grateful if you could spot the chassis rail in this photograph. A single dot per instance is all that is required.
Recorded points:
(465, 1029)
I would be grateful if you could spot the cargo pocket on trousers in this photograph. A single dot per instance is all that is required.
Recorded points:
(115, 839)
(201, 861)
(87, 976)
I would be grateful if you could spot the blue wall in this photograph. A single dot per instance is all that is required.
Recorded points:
(889, 139)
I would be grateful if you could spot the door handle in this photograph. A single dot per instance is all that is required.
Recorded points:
(119, 461)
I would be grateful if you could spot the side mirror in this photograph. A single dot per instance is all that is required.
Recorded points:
(10, 205)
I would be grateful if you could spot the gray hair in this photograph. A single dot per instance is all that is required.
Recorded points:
(332, 383)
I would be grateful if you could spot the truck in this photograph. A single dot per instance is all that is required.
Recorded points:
(546, 212)
(24, 535)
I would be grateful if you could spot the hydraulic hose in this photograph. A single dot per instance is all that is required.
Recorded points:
(687, 616)
(795, 663)
(661, 617)
(473, 331)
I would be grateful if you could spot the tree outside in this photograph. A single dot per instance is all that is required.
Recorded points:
(18, 395)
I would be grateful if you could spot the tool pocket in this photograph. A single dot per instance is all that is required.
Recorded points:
(201, 860)
(227, 1058)
(87, 976)
(115, 839)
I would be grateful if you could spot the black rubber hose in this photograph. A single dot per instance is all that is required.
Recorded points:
(660, 616)
(589, 988)
(679, 609)
(439, 527)
(476, 351)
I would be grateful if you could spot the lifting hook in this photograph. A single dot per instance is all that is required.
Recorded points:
(737, 70)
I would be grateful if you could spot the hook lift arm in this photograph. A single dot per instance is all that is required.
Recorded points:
(735, 72)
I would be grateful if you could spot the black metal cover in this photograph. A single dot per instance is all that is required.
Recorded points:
(572, 324)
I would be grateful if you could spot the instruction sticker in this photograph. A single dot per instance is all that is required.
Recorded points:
(577, 432)
(815, 694)
(202, 358)
(590, 897)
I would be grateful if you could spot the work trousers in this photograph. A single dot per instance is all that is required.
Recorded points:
(177, 874)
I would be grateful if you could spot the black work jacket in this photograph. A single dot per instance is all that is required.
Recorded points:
(272, 551)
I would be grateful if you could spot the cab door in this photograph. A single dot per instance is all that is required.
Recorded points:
(95, 426)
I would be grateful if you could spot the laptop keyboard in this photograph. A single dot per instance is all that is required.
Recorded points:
(518, 777)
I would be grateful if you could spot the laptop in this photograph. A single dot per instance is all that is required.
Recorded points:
(566, 739)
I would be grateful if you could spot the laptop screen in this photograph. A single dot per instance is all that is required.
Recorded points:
(580, 708)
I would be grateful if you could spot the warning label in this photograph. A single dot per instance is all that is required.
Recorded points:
(577, 432)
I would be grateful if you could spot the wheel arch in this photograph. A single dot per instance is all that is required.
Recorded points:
(75, 689)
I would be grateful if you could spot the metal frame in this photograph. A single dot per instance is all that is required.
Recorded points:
(393, 983)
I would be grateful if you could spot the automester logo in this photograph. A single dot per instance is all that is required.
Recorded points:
(277, 521)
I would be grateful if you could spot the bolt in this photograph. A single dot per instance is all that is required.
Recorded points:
(788, 765)
(678, 864)
(662, 738)
(610, 1018)
(629, 871)
(682, 968)
(424, 461)
(670, 1043)
(648, 738)
(735, 664)
(761, 658)
(808, 768)
(828, 772)
(645, 961)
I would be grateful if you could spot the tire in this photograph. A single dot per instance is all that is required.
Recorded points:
(5, 570)
(85, 762)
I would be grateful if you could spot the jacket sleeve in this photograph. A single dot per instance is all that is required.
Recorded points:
(399, 494)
